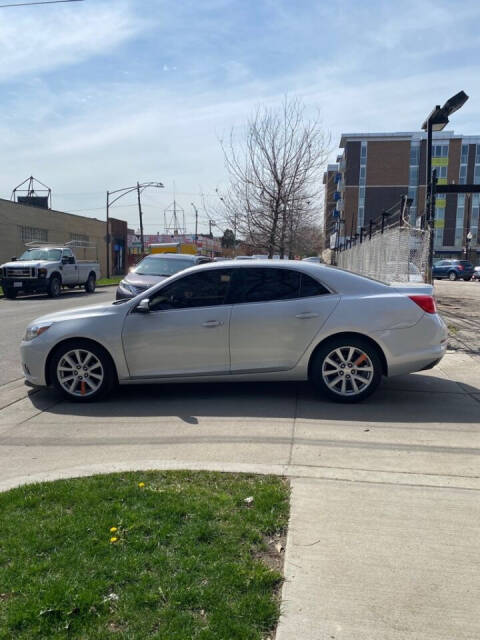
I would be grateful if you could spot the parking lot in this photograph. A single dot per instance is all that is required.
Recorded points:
(396, 476)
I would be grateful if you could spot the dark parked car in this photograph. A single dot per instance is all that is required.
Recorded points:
(153, 269)
(453, 269)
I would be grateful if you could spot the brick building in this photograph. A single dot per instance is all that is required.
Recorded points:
(21, 223)
(376, 169)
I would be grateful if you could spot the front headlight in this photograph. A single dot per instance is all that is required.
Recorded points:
(35, 330)
(127, 286)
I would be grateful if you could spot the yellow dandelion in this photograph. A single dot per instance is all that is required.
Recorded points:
(141, 484)
(113, 529)
(114, 539)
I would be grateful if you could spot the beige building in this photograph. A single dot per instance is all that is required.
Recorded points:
(20, 223)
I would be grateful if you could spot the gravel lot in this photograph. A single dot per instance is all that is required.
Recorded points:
(459, 304)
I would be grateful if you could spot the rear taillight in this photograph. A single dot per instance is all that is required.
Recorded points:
(427, 303)
(460, 267)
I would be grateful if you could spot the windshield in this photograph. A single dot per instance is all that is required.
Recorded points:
(152, 266)
(42, 254)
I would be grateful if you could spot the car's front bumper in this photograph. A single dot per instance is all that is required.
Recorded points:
(34, 357)
(26, 284)
(124, 294)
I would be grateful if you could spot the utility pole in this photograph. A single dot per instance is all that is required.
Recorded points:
(142, 245)
(107, 235)
(196, 221)
(211, 223)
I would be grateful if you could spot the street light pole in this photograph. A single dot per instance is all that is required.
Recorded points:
(123, 192)
(142, 243)
(436, 121)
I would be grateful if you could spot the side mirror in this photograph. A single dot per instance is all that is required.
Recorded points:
(143, 306)
(65, 260)
(14, 259)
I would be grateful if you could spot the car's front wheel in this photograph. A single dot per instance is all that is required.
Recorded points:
(346, 369)
(90, 284)
(11, 293)
(82, 371)
(54, 287)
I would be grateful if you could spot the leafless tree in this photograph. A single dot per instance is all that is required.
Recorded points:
(274, 177)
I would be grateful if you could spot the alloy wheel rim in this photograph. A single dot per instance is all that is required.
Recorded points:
(347, 370)
(80, 372)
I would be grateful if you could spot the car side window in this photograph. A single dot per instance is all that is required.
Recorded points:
(204, 289)
(266, 284)
(67, 253)
(310, 287)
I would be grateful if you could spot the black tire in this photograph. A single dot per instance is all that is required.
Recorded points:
(11, 294)
(360, 347)
(90, 283)
(54, 288)
(107, 370)
(452, 276)
(468, 278)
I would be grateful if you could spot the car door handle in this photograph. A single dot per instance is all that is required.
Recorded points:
(212, 323)
(306, 315)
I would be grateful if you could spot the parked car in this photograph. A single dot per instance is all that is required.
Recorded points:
(154, 269)
(314, 259)
(476, 273)
(46, 269)
(453, 269)
(252, 320)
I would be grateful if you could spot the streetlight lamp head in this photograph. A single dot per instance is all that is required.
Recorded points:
(454, 103)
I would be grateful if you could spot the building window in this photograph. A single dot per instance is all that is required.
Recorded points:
(474, 218)
(361, 182)
(439, 226)
(463, 174)
(413, 178)
(79, 237)
(464, 156)
(440, 151)
(459, 220)
(33, 234)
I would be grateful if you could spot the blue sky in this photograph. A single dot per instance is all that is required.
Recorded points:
(99, 94)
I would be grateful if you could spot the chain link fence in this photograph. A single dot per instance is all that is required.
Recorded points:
(391, 250)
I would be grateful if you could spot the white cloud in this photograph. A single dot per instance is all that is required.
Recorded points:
(42, 40)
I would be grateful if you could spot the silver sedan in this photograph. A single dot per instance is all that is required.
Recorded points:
(252, 320)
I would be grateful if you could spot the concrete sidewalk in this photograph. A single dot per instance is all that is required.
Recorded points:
(383, 540)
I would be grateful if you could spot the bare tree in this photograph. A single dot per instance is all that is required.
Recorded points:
(274, 176)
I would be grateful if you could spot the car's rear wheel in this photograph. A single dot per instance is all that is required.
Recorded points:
(452, 276)
(468, 278)
(82, 371)
(90, 283)
(346, 369)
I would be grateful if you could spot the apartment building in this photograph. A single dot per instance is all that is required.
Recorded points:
(376, 169)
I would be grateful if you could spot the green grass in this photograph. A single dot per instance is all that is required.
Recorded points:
(187, 563)
(112, 280)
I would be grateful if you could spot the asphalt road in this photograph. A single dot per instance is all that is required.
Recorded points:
(383, 538)
(15, 315)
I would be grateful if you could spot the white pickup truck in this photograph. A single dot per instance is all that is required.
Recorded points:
(47, 269)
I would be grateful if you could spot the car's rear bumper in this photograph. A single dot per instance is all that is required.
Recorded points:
(415, 348)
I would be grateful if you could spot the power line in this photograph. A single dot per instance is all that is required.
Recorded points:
(28, 4)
